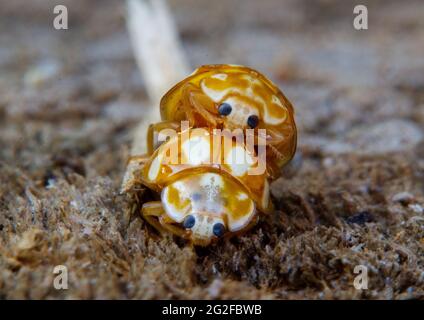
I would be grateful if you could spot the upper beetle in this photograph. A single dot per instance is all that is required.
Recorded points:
(231, 96)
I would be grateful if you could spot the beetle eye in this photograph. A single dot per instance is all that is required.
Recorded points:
(224, 109)
(189, 222)
(252, 121)
(218, 229)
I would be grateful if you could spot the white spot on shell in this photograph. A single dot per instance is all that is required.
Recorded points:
(194, 72)
(276, 101)
(215, 95)
(242, 196)
(235, 225)
(270, 119)
(176, 214)
(210, 179)
(239, 161)
(197, 150)
(220, 76)
(154, 168)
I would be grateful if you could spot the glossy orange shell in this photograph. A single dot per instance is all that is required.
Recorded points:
(249, 92)
(158, 173)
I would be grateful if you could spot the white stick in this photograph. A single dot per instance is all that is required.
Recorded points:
(161, 61)
(156, 46)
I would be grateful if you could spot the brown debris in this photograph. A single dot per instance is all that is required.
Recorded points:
(353, 196)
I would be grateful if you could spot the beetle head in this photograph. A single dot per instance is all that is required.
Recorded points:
(207, 206)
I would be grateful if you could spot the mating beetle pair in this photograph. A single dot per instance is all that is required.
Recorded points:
(204, 195)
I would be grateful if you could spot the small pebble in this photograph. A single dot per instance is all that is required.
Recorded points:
(416, 208)
(403, 197)
(41, 73)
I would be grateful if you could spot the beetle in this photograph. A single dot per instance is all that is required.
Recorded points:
(232, 96)
(206, 191)
(203, 198)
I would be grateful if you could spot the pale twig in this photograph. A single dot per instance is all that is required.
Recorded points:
(161, 60)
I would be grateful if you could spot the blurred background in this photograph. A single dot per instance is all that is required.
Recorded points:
(69, 100)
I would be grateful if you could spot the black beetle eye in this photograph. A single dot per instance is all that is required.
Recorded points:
(252, 121)
(218, 229)
(224, 109)
(189, 222)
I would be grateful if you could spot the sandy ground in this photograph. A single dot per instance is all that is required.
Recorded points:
(354, 194)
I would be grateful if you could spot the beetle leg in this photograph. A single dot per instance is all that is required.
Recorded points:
(154, 214)
(152, 211)
(200, 109)
(281, 146)
(153, 133)
(168, 224)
